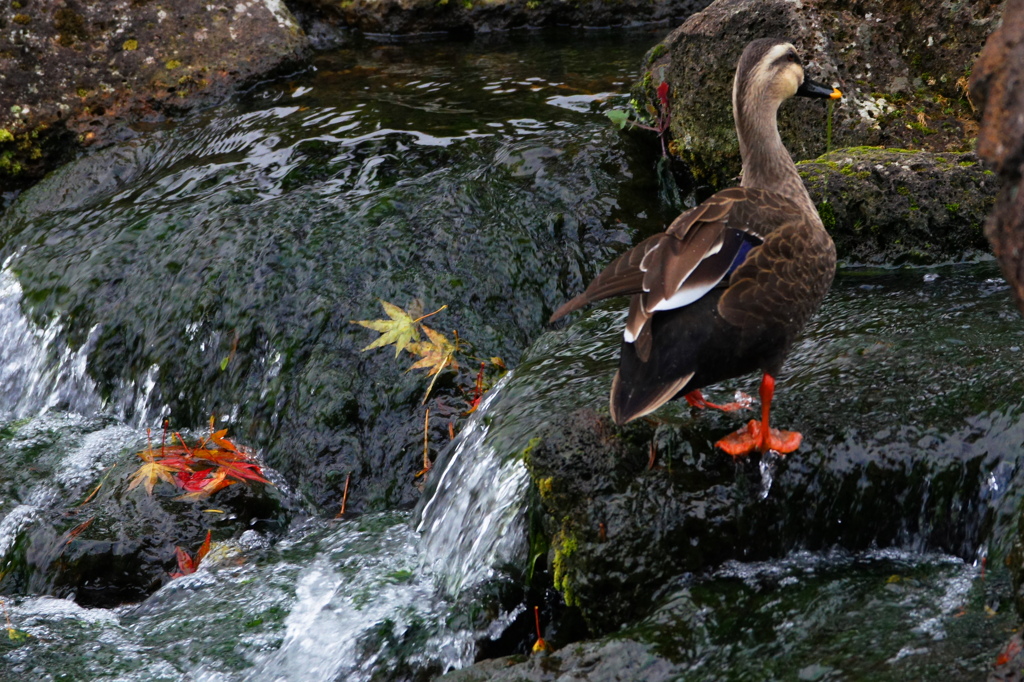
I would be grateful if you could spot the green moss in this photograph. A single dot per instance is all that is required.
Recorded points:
(528, 450)
(172, 64)
(953, 207)
(10, 429)
(902, 190)
(544, 486)
(5, 135)
(854, 150)
(565, 545)
(967, 164)
(921, 128)
(21, 19)
(8, 166)
(130, 45)
(828, 216)
(656, 53)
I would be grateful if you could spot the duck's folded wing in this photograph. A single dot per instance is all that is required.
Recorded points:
(690, 258)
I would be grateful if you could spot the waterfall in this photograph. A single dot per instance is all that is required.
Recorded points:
(37, 372)
(474, 519)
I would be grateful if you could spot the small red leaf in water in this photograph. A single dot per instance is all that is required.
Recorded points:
(204, 549)
(186, 564)
(193, 480)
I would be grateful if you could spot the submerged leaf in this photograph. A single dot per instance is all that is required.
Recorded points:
(16, 635)
(400, 330)
(151, 472)
(193, 480)
(437, 352)
(210, 485)
(186, 564)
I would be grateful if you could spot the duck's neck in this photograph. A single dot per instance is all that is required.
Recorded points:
(766, 162)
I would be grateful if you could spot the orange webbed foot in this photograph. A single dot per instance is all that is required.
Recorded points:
(750, 439)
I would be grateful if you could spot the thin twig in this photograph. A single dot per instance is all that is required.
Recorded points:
(426, 440)
(344, 496)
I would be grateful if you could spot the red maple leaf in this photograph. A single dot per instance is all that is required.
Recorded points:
(663, 93)
(186, 564)
(193, 481)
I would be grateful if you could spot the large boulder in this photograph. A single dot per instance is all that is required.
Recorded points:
(626, 510)
(902, 68)
(995, 86)
(468, 16)
(893, 206)
(76, 73)
(75, 526)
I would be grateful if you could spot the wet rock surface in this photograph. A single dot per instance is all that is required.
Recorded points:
(602, 661)
(482, 16)
(253, 241)
(659, 540)
(74, 73)
(77, 530)
(800, 618)
(894, 207)
(995, 86)
(902, 68)
(905, 468)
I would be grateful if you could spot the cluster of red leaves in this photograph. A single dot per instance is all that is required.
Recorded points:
(188, 565)
(213, 463)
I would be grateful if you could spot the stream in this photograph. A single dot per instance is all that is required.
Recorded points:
(213, 266)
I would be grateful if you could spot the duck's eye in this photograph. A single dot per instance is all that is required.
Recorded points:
(788, 58)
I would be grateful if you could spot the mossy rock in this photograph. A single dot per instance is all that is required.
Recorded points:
(901, 69)
(893, 206)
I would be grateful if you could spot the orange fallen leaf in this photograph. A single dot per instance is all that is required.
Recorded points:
(187, 564)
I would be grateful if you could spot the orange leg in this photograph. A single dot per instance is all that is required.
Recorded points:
(759, 436)
(696, 399)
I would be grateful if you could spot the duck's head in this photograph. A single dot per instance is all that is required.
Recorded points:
(769, 72)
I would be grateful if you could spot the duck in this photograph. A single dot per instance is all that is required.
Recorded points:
(727, 288)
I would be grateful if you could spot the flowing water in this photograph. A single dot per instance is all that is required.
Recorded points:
(213, 266)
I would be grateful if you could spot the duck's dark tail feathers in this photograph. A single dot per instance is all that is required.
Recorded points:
(633, 397)
(691, 347)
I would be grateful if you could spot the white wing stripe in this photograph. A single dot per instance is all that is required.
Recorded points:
(684, 296)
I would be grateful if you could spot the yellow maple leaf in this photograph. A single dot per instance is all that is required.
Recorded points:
(402, 329)
(151, 472)
(437, 352)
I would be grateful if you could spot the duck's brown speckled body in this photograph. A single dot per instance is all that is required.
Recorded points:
(726, 289)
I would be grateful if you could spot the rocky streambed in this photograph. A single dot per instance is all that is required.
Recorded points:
(214, 265)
